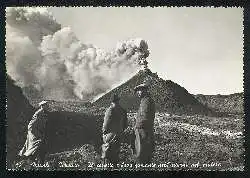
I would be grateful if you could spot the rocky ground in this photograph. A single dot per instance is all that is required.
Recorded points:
(182, 143)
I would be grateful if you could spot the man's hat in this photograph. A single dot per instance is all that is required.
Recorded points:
(141, 87)
(42, 103)
(115, 97)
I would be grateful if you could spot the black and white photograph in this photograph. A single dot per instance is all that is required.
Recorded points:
(124, 88)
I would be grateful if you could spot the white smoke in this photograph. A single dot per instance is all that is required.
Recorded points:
(41, 54)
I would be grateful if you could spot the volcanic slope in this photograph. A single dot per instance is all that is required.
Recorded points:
(168, 96)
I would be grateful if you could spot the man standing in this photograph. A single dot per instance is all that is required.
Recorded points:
(35, 144)
(144, 126)
(115, 122)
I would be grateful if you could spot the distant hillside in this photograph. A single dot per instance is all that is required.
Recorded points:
(168, 96)
(223, 103)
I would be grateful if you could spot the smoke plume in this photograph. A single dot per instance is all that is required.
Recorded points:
(42, 55)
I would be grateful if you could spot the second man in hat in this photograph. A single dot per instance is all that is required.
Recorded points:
(144, 126)
(115, 122)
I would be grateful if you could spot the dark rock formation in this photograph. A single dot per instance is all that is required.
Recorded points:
(19, 112)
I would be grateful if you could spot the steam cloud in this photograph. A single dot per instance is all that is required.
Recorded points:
(42, 55)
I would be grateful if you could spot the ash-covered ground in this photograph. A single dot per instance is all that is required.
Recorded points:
(182, 143)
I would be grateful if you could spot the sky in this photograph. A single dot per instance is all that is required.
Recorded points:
(201, 49)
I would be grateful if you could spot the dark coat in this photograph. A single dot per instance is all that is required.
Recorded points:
(36, 135)
(144, 130)
(115, 119)
(115, 122)
(146, 113)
